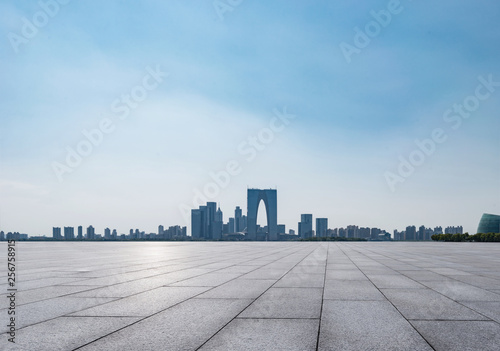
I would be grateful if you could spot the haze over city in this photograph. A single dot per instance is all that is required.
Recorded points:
(120, 117)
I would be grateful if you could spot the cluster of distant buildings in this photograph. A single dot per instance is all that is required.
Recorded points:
(13, 236)
(171, 233)
(207, 223)
(423, 233)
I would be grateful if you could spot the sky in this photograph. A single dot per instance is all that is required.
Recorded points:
(127, 114)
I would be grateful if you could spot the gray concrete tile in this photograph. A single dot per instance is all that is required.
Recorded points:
(48, 292)
(428, 304)
(292, 280)
(478, 281)
(366, 325)
(40, 311)
(460, 335)
(67, 333)
(422, 275)
(185, 326)
(144, 304)
(238, 289)
(394, 281)
(209, 279)
(351, 290)
(286, 303)
(459, 291)
(266, 334)
(490, 309)
(345, 274)
(263, 273)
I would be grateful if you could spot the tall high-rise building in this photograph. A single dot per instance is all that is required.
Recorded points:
(374, 233)
(217, 225)
(454, 230)
(364, 233)
(231, 226)
(107, 233)
(161, 231)
(352, 231)
(80, 233)
(269, 197)
(212, 212)
(421, 233)
(56, 233)
(196, 224)
(2, 235)
(237, 220)
(411, 233)
(306, 226)
(114, 234)
(69, 233)
(438, 230)
(321, 227)
(90, 233)
(281, 229)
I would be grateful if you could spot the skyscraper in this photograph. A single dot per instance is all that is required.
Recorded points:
(321, 227)
(411, 233)
(90, 233)
(421, 233)
(269, 196)
(196, 219)
(80, 233)
(56, 233)
(212, 211)
(237, 220)
(69, 233)
(306, 226)
(231, 225)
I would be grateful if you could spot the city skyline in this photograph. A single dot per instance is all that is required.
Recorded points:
(379, 113)
(211, 213)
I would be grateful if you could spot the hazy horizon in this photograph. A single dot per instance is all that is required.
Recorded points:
(377, 125)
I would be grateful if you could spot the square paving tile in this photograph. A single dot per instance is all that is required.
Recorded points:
(185, 326)
(286, 303)
(144, 304)
(351, 290)
(366, 325)
(266, 334)
(428, 304)
(460, 335)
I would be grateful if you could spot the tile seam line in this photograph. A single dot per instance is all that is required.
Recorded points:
(117, 299)
(427, 341)
(322, 297)
(218, 331)
(488, 318)
(115, 331)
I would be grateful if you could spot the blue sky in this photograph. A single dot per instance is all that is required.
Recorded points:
(226, 74)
